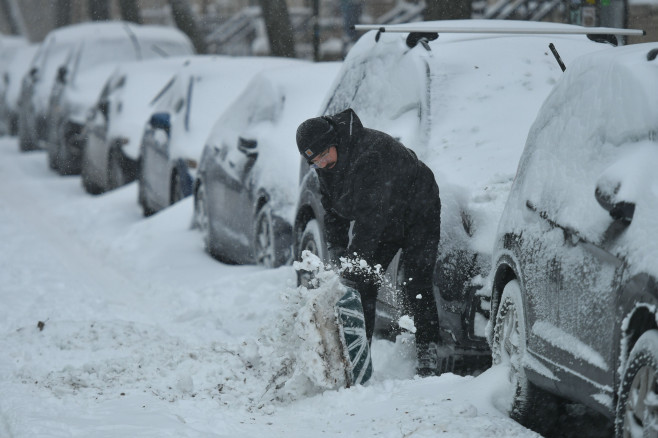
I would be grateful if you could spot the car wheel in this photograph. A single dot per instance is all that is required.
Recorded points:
(311, 241)
(87, 180)
(141, 197)
(115, 174)
(637, 408)
(525, 402)
(52, 157)
(177, 190)
(201, 217)
(264, 238)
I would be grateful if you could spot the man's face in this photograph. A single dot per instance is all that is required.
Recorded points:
(327, 159)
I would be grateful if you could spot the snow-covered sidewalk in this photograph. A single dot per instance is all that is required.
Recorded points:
(113, 325)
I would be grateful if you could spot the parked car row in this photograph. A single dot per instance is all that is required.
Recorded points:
(562, 289)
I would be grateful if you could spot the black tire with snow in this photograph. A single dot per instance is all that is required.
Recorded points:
(528, 404)
(311, 241)
(264, 243)
(637, 407)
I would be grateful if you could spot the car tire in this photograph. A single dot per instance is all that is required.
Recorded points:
(526, 403)
(177, 190)
(52, 158)
(87, 181)
(115, 173)
(311, 241)
(201, 218)
(141, 198)
(264, 245)
(637, 410)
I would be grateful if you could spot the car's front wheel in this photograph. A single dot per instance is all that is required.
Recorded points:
(637, 408)
(201, 217)
(311, 241)
(177, 190)
(86, 171)
(264, 238)
(525, 402)
(116, 176)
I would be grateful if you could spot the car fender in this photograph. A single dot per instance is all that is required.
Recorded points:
(506, 269)
(186, 178)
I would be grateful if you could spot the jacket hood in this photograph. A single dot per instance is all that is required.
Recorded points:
(348, 128)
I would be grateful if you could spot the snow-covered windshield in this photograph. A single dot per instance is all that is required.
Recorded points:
(105, 51)
(163, 49)
(386, 90)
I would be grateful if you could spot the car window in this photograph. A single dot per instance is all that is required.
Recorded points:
(259, 103)
(386, 90)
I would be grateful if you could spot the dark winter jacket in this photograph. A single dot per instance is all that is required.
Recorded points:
(379, 184)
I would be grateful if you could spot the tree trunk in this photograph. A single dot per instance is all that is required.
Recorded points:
(63, 12)
(183, 16)
(5, 8)
(279, 29)
(448, 9)
(99, 10)
(130, 11)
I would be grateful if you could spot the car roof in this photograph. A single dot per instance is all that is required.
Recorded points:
(476, 96)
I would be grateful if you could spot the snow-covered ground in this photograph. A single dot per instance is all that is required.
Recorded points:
(113, 325)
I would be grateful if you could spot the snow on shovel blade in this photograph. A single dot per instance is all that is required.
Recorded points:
(352, 329)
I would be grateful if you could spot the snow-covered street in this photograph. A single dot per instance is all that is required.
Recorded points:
(116, 325)
(113, 324)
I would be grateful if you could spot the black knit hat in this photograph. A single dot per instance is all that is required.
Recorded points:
(314, 136)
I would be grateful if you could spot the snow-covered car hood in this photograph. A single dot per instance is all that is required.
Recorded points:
(81, 95)
(130, 104)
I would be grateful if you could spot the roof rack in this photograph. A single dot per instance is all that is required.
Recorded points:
(543, 30)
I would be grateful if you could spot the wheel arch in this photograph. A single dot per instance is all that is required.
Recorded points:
(641, 295)
(262, 198)
(506, 271)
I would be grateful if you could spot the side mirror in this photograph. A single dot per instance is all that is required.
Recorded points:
(607, 196)
(62, 72)
(248, 147)
(161, 121)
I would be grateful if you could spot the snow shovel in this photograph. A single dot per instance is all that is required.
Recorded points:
(352, 334)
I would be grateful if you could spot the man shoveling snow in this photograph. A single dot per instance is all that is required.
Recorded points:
(372, 182)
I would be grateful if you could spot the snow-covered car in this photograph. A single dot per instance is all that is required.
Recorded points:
(37, 83)
(250, 163)
(114, 128)
(81, 77)
(184, 113)
(15, 58)
(412, 87)
(575, 279)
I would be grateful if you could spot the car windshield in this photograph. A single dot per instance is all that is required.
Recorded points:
(384, 92)
(107, 51)
(163, 49)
